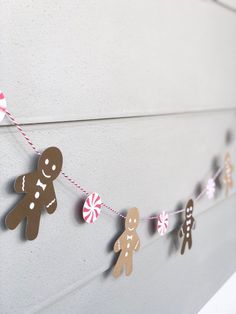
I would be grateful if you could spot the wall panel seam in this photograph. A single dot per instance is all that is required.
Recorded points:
(183, 113)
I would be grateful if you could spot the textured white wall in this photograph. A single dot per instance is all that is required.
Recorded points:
(163, 74)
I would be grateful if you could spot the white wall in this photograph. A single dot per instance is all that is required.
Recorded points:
(163, 74)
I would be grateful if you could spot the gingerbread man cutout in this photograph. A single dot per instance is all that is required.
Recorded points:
(127, 243)
(228, 180)
(39, 193)
(187, 226)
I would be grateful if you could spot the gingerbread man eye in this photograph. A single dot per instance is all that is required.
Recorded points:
(130, 220)
(188, 210)
(46, 161)
(53, 167)
(191, 208)
(135, 221)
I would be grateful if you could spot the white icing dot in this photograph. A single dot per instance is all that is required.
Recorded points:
(53, 167)
(31, 205)
(36, 195)
(126, 254)
(187, 235)
(188, 228)
(46, 161)
(128, 245)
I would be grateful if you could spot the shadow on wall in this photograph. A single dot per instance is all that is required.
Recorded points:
(79, 210)
(173, 236)
(224, 5)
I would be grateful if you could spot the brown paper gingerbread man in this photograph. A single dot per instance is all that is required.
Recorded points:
(228, 180)
(187, 226)
(127, 243)
(39, 193)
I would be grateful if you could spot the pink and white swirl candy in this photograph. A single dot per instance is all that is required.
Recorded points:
(92, 208)
(3, 105)
(162, 223)
(210, 189)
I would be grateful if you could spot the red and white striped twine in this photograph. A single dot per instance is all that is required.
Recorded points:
(78, 186)
(21, 130)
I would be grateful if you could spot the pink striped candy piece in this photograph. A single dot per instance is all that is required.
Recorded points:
(92, 208)
(162, 223)
(3, 105)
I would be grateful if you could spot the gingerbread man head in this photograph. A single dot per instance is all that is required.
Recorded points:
(189, 209)
(132, 219)
(50, 163)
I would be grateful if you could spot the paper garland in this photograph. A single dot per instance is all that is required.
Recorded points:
(39, 192)
(31, 205)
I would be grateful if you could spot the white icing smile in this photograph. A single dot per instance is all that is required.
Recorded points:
(46, 176)
(131, 229)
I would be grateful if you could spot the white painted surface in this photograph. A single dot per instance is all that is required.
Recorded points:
(224, 300)
(83, 60)
(116, 58)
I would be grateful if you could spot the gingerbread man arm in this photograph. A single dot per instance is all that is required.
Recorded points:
(194, 224)
(137, 245)
(117, 245)
(24, 183)
(181, 233)
(50, 199)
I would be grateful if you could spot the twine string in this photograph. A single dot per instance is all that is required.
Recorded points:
(83, 190)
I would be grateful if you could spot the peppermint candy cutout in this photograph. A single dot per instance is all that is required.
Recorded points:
(210, 189)
(92, 208)
(3, 105)
(162, 223)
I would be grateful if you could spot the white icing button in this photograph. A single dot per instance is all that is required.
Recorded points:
(36, 195)
(187, 235)
(31, 205)
(128, 245)
(188, 228)
(126, 254)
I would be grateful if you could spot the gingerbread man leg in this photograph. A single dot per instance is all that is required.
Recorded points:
(128, 266)
(118, 267)
(190, 243)
(32, 225)
(183, 246)
(17, 214)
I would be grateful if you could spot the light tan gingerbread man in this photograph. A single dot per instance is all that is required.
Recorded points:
(228, 180)
(127, 243)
